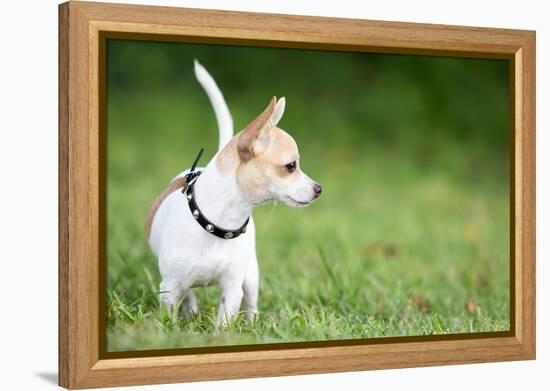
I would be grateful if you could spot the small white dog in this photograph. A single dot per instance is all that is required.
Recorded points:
(200, 226)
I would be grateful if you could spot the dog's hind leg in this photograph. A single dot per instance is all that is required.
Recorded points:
(250, 289)
(189, 305)
(171, 293)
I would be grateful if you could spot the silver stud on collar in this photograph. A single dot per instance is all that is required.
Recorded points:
(228, 235)
(209, 228)
(196, 214)
(244, 229)
(189, 196)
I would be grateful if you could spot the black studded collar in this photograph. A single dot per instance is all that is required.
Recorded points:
(208, 226)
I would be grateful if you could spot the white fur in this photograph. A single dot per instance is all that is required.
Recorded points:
(189, 256)
(223, 116)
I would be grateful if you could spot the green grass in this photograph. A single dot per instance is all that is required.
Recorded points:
(394, 246)
(412, 224)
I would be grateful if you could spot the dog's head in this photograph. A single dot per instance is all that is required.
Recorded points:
(269, 162)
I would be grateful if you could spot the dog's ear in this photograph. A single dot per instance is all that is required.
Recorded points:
(255, 137)
(278, 112)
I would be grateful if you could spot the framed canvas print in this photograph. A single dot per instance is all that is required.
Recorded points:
(247, 195)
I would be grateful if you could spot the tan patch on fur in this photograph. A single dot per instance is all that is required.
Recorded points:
(252, 131)
(283, 148)
(177, 183)
(269, 165)
(228, 158)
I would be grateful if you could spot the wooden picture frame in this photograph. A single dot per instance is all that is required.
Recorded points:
(83, 28)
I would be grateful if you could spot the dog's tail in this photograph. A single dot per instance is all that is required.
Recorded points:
(223, 116)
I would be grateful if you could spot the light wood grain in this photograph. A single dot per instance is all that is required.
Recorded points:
(527, 187)
(63, 177)
(80, 29)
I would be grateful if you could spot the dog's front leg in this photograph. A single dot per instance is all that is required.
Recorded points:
(230, 303)
(250, 288)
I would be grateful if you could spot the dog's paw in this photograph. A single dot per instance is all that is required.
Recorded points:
(189, 311)
(252, 316)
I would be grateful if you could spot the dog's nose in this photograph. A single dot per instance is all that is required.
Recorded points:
(317, 189)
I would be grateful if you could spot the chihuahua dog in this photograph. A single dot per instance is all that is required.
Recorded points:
(200, 226)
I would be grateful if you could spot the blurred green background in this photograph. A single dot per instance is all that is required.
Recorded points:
(410, 236)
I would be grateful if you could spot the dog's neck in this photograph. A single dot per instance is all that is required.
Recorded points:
(220, 199)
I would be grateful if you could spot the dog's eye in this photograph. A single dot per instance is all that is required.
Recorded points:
(291, 167)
